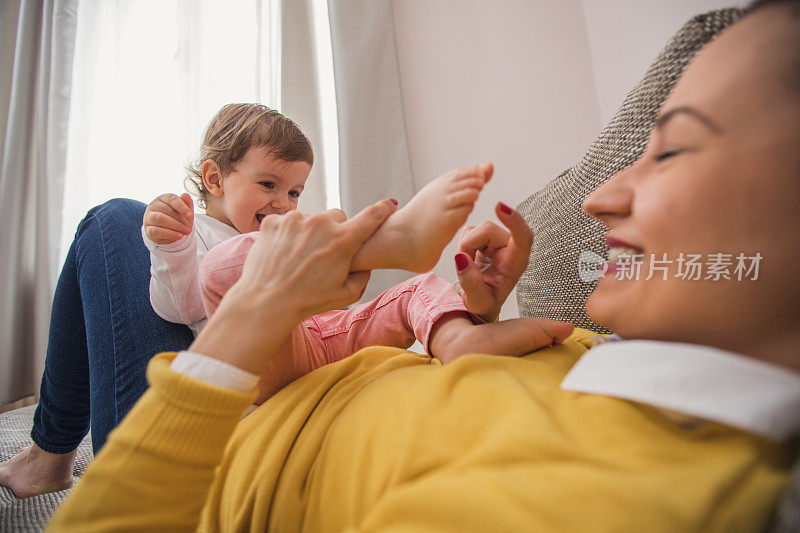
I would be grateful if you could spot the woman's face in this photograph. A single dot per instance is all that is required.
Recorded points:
(721, 175)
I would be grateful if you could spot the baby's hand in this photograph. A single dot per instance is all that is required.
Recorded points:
(168, 218)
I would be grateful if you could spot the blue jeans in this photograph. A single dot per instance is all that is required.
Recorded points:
(103, 331)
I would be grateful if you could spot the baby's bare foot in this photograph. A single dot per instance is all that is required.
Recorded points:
(34, 471)
(454, 335)
(414, 237)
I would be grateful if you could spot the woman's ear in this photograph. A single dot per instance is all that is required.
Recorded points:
(212, 177)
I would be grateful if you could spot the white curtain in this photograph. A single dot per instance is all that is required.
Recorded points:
(36, 46)
(374, 161)
(307, 97)
(345, 93)
(148, 76)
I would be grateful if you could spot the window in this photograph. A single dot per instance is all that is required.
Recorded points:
(148, 76)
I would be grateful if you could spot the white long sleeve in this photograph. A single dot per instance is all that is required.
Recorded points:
(213, 371)
(174, 285)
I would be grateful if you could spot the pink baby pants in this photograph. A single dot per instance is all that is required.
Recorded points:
(396, 318)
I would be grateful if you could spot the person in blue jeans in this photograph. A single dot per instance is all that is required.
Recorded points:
(103, 332)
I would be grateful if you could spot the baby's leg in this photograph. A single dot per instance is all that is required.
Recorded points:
(424, 307)
(300, 354)
(429, 309)
(397, 317)
(413, 238)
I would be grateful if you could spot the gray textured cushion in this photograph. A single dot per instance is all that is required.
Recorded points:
(551, 288)
(30, 514)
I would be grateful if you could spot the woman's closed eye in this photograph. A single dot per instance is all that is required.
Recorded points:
(666, 154)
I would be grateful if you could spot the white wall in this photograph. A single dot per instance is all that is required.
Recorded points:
(527, 84)
(506, 81)
(626, 35)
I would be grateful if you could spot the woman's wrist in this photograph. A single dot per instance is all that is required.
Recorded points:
(248, 328)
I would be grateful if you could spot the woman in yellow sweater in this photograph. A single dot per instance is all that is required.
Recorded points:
(687, 428)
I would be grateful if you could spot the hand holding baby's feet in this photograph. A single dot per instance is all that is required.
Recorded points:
(455, 335)
(413, 238)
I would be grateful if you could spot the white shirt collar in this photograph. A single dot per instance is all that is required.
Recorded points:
(704, 382)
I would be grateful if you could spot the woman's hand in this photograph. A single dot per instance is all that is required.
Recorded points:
(306, 259)
(491, 261)
(298, 266)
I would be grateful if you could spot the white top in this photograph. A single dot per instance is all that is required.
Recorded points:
(706, 383)
(174, 286)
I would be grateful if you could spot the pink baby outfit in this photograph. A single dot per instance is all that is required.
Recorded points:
(395, 318)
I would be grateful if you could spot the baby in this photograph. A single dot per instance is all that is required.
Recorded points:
(254, 162)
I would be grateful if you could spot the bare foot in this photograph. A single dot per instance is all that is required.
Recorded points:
(455, 335)
(414, 237)
(34, 471)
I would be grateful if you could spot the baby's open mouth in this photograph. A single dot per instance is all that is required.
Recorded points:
(260, 217)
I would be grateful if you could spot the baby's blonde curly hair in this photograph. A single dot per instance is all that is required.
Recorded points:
(234, 130)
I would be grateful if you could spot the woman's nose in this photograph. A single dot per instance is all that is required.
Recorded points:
(611, 199)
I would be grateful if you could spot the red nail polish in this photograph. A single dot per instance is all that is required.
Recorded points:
(393, 201)
(504, 208)
(461, 262)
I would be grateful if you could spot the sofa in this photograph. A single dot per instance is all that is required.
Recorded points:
(549, 288)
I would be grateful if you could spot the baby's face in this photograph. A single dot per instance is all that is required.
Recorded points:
(259, 185)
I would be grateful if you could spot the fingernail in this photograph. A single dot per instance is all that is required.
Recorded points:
(461, 262)
(504, 208)
(393, 201)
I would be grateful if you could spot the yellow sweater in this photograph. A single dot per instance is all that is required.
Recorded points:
(391, 440)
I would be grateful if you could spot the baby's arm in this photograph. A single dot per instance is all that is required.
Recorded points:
(168, 232)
